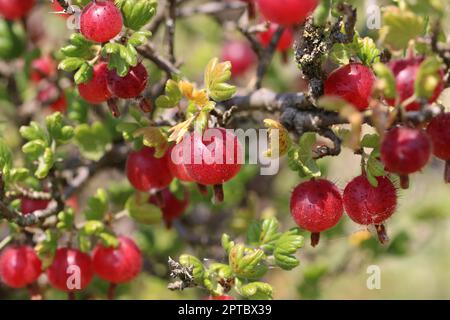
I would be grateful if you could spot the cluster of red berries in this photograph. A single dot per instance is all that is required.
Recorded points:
(317, 205)
(71, 269)
(148, 173)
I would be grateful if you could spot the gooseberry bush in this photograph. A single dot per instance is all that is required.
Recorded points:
(97, 187)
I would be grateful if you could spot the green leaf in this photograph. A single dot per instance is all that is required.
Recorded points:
(198, 270)
(84, 73)
(139, 38)
(428, 77)
(247, 262)
(256, 291)
(70, 64)
(93, 141)
(386, 80)
(142, 211)
(45, 163)
(301, 157)
(137, 13)
(66, 219)
(216, 75)
(56, 128)
(285, 248)
(46, 248)
(399, 27)
(79, 47)
(371, 141)
(34, 149)
(367, 51)
(109, 239)
(93, 227)
(226, 242)
(12, 39)
(18, 174)
(172, 95)
(97, 206)
(84, 241)
(33, 132)
(222, 270)
(264, 234)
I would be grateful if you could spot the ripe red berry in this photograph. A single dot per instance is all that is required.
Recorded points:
(405, 72)
(42, 68)
(19, 266)
(366, 204)
(71, 270)
(100, 21)
(130, 86)
(14, 10)
(28, 205)
(172, 207)
(439, 132)
(241, 56)
(353, 82)
(215, 156)
(146, 172)
(316, 206)
(96, 90)
(286, 40)
(53, 97)
(405, 151)
(224, 297)
(286, 12)
(176, 165)
(117, 265)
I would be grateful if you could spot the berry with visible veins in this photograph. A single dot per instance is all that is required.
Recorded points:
(286, 12)
(130, 86)
(28, 205)
(66, 263)
(14, 10)
(215, 157)
(117, 265)
(172, 208)
(405, 151)
(100, 21)
(316, 206)
(96, 90)
(42, 68)
(19, 266)
(439, 132)
(405, 72)
(353, 82)
(176, 165)
(367, 205)
(241, 56)
(146, 172)
(286, 40)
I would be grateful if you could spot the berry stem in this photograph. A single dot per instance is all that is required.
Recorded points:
(251, 10)
(447, 172)
(218, 193)
(145, 105)
(203, 189)
(159, 199)
(112, 105)
(382, 234)
(404, 181)
(112, 291)
(315, 238)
